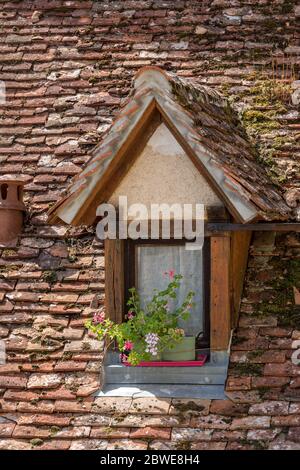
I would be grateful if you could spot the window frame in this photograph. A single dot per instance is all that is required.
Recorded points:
(130, 277)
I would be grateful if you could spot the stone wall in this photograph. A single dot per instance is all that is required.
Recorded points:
(53, 367)
(66, 66)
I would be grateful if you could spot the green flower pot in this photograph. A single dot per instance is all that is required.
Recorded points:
(183, 351)
(158, 357)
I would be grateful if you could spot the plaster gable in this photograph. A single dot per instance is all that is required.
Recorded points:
(163, 173)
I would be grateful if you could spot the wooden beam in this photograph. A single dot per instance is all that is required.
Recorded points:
(259, 227)
(120, 165)
(240, 242)
(157, 224)
(220, 294)
(114, 279)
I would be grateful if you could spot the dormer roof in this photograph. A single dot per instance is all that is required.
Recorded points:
(208, 129)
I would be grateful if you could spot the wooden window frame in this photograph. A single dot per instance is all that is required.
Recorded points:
(220, 300)
(221, 287)
(130, 277)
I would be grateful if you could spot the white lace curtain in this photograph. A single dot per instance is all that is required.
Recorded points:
(154, 261)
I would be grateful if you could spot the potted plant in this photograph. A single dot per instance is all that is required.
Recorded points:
(184, 350)
(150, 332)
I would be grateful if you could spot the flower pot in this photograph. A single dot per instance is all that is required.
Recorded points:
(158, 357)
(183, 351)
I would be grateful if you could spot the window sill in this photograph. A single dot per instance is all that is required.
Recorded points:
(204, 382)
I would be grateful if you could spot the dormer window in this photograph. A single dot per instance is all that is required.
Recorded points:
(175, 143)
(147, 265)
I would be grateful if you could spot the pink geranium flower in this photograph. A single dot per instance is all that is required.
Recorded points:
(123, 358)
(130, 315)
(98, 317)
(128, 345)
(170, 273)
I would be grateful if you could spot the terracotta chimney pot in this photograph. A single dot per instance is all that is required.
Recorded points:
(11, 208)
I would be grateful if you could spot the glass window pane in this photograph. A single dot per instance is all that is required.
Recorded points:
(154, 260)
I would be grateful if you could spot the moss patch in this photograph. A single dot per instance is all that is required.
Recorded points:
(50, 276)
(267, 99)
(190, 406)
(259, 121)
(36, 442)
(286, 276)
(244, 368)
